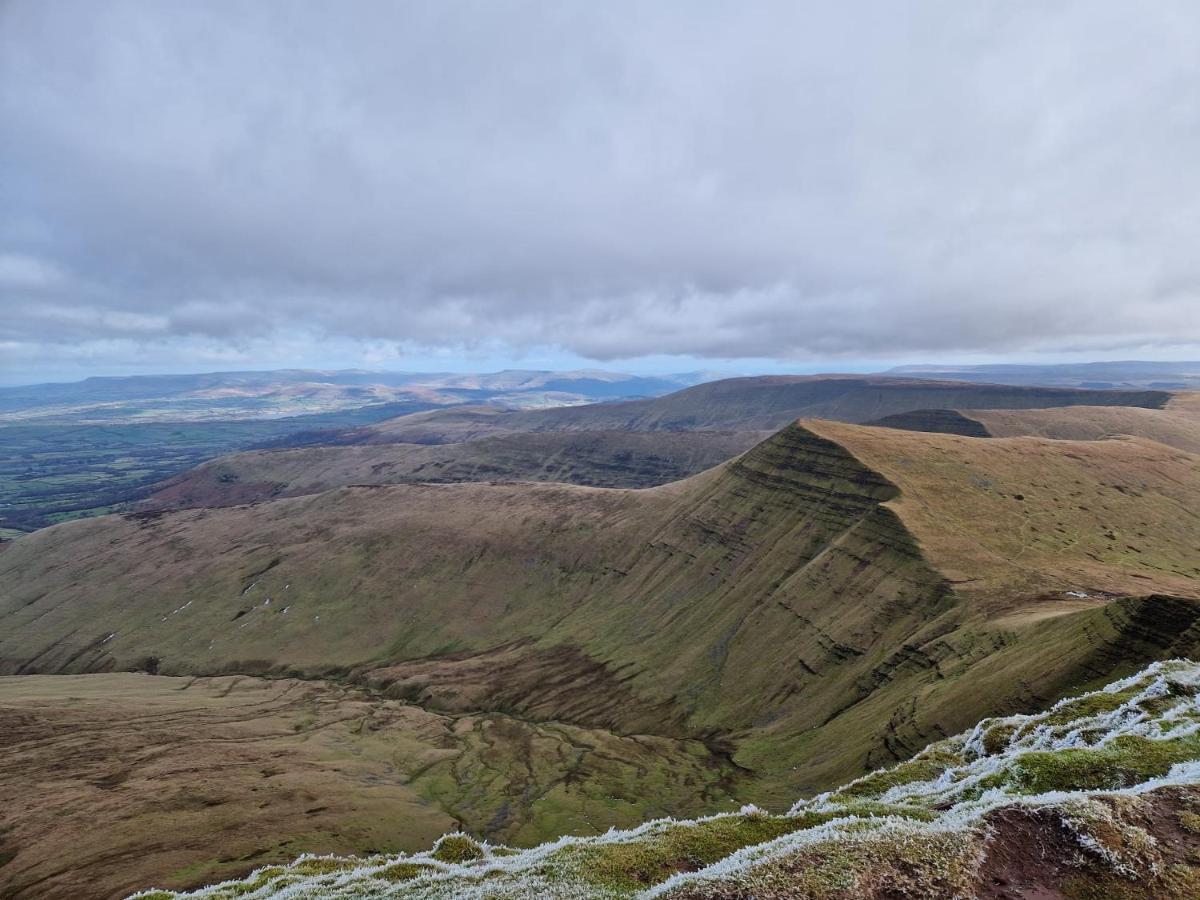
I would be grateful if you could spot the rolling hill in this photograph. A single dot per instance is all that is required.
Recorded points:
(1176, 425)
(645, 444)
(756, 404)
(273, 394)
(1153, 375)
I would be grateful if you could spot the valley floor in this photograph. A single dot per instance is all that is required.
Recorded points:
(111, 782)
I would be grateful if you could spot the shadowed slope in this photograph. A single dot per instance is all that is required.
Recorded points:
(599, 459)
(941, 421)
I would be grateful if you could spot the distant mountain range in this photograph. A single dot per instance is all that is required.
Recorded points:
(291, 392)
(1165, 376)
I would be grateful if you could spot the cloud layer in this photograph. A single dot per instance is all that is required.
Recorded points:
(772, 180)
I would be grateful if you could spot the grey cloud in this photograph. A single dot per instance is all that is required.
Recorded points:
(621, 179)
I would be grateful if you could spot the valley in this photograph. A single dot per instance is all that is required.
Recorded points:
(197, 779)
(74, 450)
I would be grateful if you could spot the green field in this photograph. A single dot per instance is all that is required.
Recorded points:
(53, 473)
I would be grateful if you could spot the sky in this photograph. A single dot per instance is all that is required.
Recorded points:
(667, 186)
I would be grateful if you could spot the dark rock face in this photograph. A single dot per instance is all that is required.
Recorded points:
(941, 421)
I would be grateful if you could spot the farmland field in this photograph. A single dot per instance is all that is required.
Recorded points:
(53, 473)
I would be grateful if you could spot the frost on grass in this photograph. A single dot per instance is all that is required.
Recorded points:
(921, 828)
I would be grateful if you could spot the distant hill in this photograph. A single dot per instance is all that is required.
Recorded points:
(761, 403)
(594, 458)
(290, 392)
(72, 450)
(1167, 376)
(677, 435)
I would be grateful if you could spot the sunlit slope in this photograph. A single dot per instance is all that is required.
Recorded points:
(598, 458)
(1011, 518)
(1177, 425)
(1096, 797)
(795, 607)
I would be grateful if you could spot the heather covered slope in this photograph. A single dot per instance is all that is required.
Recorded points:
(201, 779)
(798, 608)
(1097, 796)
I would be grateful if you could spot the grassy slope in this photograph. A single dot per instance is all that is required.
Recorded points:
(601, 459)
(789, 605)
(1178, 425)
(1096, 797)
(1013, 518)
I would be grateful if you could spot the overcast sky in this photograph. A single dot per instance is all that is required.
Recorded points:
(636, 185)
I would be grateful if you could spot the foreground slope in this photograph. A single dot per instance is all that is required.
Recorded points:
(111, 782)
(1098, 796)
(831, 600)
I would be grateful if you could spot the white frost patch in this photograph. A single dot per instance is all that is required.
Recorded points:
(177, 610)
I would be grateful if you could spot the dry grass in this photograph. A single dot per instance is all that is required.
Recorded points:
(1178, 425)
(1010, 519)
